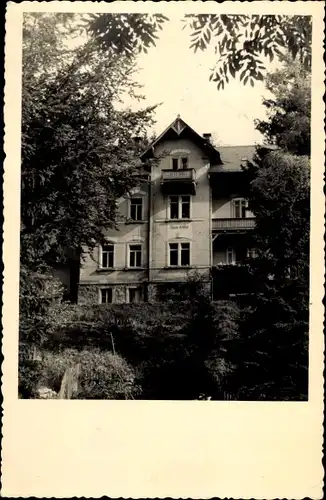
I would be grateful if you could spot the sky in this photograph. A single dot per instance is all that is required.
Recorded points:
(179, 79)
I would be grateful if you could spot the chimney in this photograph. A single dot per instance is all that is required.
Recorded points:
(137, 142)
(207, 137)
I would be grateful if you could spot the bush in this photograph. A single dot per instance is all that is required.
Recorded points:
(29, 373)
(103, 375)
(171, 347)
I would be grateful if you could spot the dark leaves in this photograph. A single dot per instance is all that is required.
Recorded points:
(240, 41)
(76, 154)
(126, 34)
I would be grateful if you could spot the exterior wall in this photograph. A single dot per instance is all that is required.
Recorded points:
(90, 294)
(196, 230)
(222, 208)
(127, 233)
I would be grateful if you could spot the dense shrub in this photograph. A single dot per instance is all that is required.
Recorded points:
(103, 375)
(29, 374)
(174, 350)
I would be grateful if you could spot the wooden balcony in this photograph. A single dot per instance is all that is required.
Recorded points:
(179, 181)
(227, 225)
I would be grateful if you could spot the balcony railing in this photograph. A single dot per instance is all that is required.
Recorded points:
(179, 175)
(233, 224)
(179, 181)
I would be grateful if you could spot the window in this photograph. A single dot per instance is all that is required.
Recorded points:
(135, 256)
(185, 254)
(106, 295)
(174, 207)
(230, 256)
(179, 254)
(251, 253)
(239, 208)
(107, 256)
(180, 207)
(136, 209)
(174, 251)
(180, 162)
(184, 162)
(175, 163)
(135, 294)
(185, 207)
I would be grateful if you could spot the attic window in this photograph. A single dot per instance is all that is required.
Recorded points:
(180, 162)
(184, 162)
(175, 163)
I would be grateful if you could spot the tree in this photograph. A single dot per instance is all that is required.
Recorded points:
(241, 42)
(77, 147)
(127, 34)
(272, 353)
(289, 110)
(78, 155)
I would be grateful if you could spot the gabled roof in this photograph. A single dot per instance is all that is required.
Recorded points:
(180, 129)
(234, 156)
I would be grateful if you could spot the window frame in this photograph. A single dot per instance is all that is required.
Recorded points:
(179, 254)
(234, 257)
(179, 157)
(184, 157)
(105, 288)
(101, 253)
(243, 202)
(173, 159)
(134, 287)
(180, 203)
(252, 253)
(131, 244)
(136, 197)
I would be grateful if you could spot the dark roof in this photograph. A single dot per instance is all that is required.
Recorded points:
(180, 129)
(234, 156)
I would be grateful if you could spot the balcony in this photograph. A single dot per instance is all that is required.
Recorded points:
(179, 181)
(233, 225)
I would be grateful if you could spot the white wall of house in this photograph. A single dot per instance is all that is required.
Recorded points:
(196, 230)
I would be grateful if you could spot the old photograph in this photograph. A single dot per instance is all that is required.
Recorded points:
(165, 206)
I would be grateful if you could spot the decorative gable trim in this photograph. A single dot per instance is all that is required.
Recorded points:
(178, 125)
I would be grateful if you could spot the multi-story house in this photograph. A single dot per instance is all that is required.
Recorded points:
(189, 213)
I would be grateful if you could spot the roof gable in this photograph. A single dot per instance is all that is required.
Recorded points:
(180, 129)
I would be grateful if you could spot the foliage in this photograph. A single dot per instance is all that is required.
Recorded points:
(280, 200)
(289, 110)
(241, 42)
(171, 347)
(77, 147)
(126, 33)
(271, 354)
(29, 373)
(39, 293)
(103, 375)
